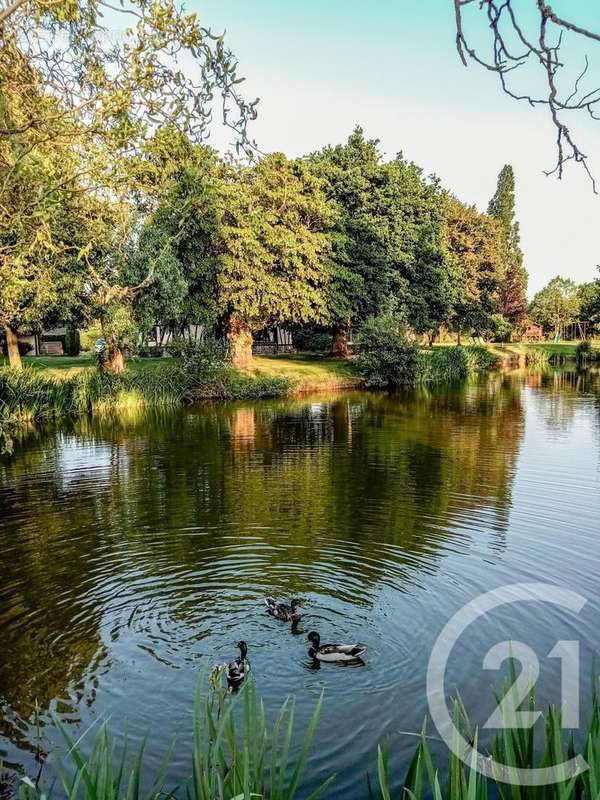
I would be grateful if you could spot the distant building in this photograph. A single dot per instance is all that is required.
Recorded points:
(51, 342)
(533, 333)
(269, 340)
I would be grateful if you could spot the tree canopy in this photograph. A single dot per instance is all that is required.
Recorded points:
(556, 305)
(513, 291)
(476, 247)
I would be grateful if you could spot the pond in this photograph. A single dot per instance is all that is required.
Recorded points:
(136, 551)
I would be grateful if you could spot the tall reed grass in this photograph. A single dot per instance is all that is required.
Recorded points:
(31, 394)
(449, 364)
(235, 755)
(537, 358)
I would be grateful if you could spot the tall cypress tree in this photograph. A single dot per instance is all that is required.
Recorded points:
(513, 291)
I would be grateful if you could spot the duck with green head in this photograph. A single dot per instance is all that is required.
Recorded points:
(333, 652)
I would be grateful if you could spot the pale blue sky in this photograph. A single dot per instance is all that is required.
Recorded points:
(391, 66)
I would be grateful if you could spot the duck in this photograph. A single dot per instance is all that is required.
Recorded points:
(282, 611)
(237, 669)
(333, 652)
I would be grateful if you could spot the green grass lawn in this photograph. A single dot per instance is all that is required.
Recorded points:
(307, 371)
(68, 365)
(516, 349)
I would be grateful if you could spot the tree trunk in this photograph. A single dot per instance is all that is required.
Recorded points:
(12, 348)
(339, 343)
(459, 336)
(115, 361)
(239, 342)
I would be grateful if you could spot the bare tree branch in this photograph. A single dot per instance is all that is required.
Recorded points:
(507, 28)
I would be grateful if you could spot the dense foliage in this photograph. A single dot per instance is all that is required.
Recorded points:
(556, 305)
(389, 356)
(513, 293)
(116, 213)
(186, 242)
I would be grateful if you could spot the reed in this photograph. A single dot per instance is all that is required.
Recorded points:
(235, 756)
(537, 358)
(512, 747)
(32, 395)
(449, 364)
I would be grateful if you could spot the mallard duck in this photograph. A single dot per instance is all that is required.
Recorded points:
(282, 611)
(237, 669)
(333, 652)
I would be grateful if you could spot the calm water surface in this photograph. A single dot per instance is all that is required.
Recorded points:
(135, 552)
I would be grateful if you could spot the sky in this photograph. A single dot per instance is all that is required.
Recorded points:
(322, 67)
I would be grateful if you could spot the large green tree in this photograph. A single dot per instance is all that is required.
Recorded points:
(388, 243)
(556, 305)
(274, 250)
(186, 223)
(352, 178)
(513, 290)
(426, 277)
(51, 225)
(253, 244)
(475, 245)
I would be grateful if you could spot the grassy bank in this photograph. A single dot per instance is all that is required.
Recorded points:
(51, 387)
(304, 371)
(523, 354)
(235, 755)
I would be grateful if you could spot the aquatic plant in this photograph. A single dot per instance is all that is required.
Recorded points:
(537, 358)
(513, 747)
(31, 394)
(235, 756)
(449, 364)
(584, 352)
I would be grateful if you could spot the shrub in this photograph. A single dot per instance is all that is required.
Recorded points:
(199, 355)
(387, 355)
(584, 352)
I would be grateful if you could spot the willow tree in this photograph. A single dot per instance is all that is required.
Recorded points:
(274, 250)
(76, 104)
